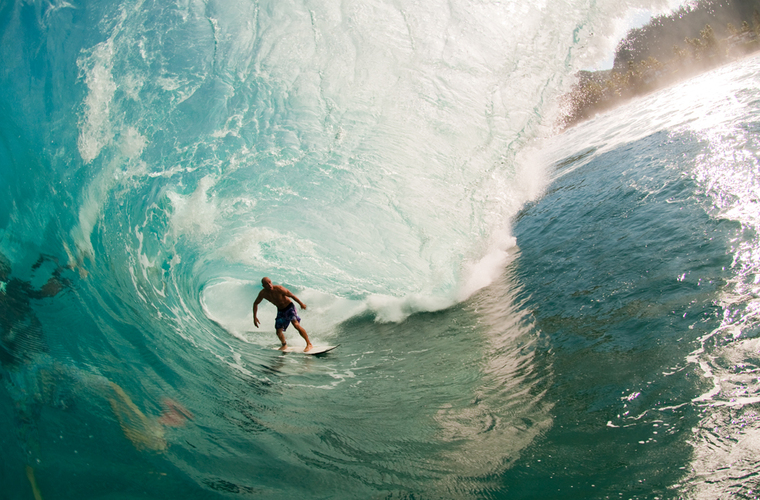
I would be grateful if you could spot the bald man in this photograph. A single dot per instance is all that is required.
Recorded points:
(286, 311)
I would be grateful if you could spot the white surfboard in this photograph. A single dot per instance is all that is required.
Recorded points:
(317, 349)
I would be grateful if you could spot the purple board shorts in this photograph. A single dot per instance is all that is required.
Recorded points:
(285, 316)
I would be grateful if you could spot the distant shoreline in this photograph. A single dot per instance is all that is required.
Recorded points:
(599, 91)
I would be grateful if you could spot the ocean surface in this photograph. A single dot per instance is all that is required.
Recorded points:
(521, 313)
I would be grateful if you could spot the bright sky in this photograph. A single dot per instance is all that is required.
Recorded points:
(635, 18)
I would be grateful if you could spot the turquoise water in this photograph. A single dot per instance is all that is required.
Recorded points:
(521, 314)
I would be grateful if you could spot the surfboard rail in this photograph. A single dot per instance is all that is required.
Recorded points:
(317, 349)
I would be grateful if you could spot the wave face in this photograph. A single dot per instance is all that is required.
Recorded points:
(496, 292)
(640, 264)
(365, 149)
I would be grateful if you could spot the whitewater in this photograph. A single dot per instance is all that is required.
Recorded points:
(521, 313)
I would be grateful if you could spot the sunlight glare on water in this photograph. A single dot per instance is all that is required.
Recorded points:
(724, 113)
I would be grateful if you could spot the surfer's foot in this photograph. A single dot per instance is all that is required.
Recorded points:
(174, 414)
(308, 348)
(284, 346)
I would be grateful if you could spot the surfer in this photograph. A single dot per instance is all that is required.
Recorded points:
(28, 371)
(286, 310)
(33, 378)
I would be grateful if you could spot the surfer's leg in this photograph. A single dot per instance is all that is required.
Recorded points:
(33, 482)
(23, 384)
(27, 417)
(144, 432)
(303, 333)
(281, 336)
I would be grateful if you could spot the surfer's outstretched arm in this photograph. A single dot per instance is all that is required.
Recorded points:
(256, 308)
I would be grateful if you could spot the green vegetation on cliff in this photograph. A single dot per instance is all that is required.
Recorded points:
(668, 49)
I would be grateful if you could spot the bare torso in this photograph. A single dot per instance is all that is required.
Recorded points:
(278, 296)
